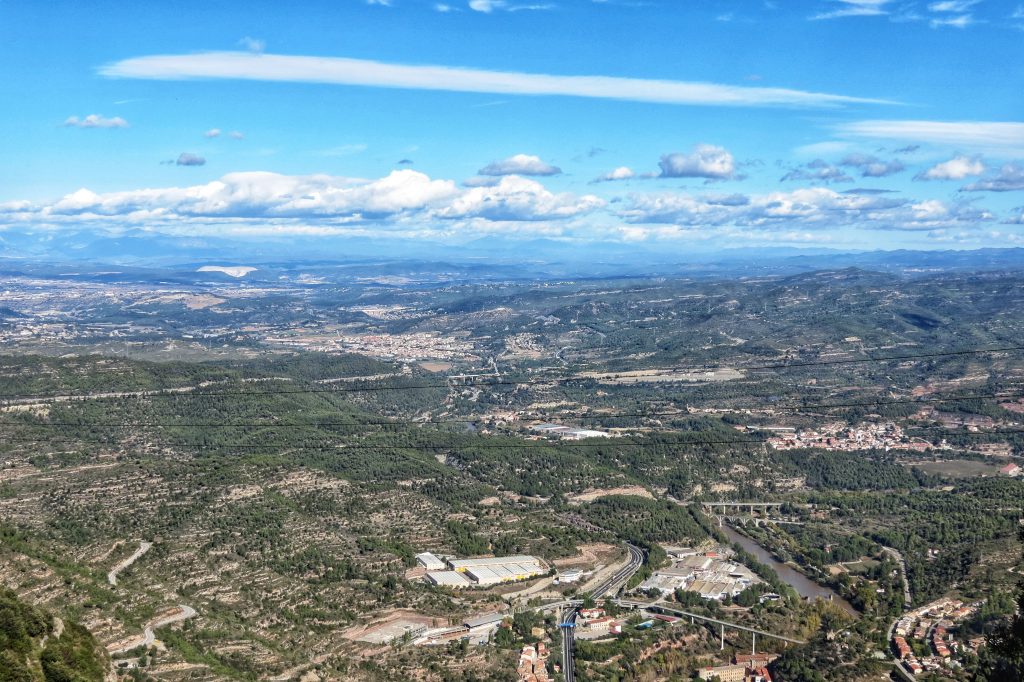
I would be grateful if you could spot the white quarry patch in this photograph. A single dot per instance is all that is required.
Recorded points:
(233, 270)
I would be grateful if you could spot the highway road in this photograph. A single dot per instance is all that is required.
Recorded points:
(609, 586)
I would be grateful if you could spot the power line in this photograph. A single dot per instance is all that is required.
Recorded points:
(611, 415)
(189, 391)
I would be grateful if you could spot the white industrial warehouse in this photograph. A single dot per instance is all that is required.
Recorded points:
(482, 572)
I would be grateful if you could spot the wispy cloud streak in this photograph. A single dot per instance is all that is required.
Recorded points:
(362, 72)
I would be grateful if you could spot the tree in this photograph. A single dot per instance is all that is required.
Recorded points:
(1007, 642)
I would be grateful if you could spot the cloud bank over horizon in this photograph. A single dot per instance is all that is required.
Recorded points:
(412, 204)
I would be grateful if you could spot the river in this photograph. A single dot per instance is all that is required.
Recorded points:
(804, 586)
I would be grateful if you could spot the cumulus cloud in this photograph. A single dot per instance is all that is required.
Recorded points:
(871, 166)
(302, 202)
(364, 72)
(957, 168)
(706, 161)
(212, 132)
(1010, 178)
(95, 121)
(519, 164)
(515, 198)
(620, 173)
(817, 208)
(189, 159)
(817, 170)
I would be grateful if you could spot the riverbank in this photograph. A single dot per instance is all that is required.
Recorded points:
(803, 585)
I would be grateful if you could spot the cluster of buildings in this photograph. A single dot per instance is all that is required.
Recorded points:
(710, 574)
(567, 432)
(931, 625)
(476, 629)
(480, 572)
(595, 623)
(410, 347)
(744, 668)
(533, 663)
(838, 436)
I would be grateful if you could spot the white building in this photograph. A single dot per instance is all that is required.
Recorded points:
(448, 579)
(571, 576)
(430, 562)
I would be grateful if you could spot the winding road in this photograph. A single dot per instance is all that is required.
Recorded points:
(143, 548)
(148, 635)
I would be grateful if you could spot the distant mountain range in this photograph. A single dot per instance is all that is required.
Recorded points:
(146, 256)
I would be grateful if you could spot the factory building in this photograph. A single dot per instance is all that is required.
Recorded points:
(568, 432)
(482, 572)
(430, 562)
(448, 579)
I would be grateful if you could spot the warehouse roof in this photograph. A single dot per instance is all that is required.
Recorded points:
(492, 561)
(447, 578)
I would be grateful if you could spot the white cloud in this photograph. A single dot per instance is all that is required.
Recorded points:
(816, 208)
(961, 21)
(1006, 137)
(620, 173)
(514, 198)
(95, 121)
(253, 45)
(1010, 178)
(343, 71)
(519, 164)
(236, 135)
(957, 168)
(706, 161)
(953, 6)
(854, 8)
(488, 6)
(301, 202)
(212, 132)
(442, 7)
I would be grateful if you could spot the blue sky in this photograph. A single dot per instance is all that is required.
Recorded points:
(851, 124)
